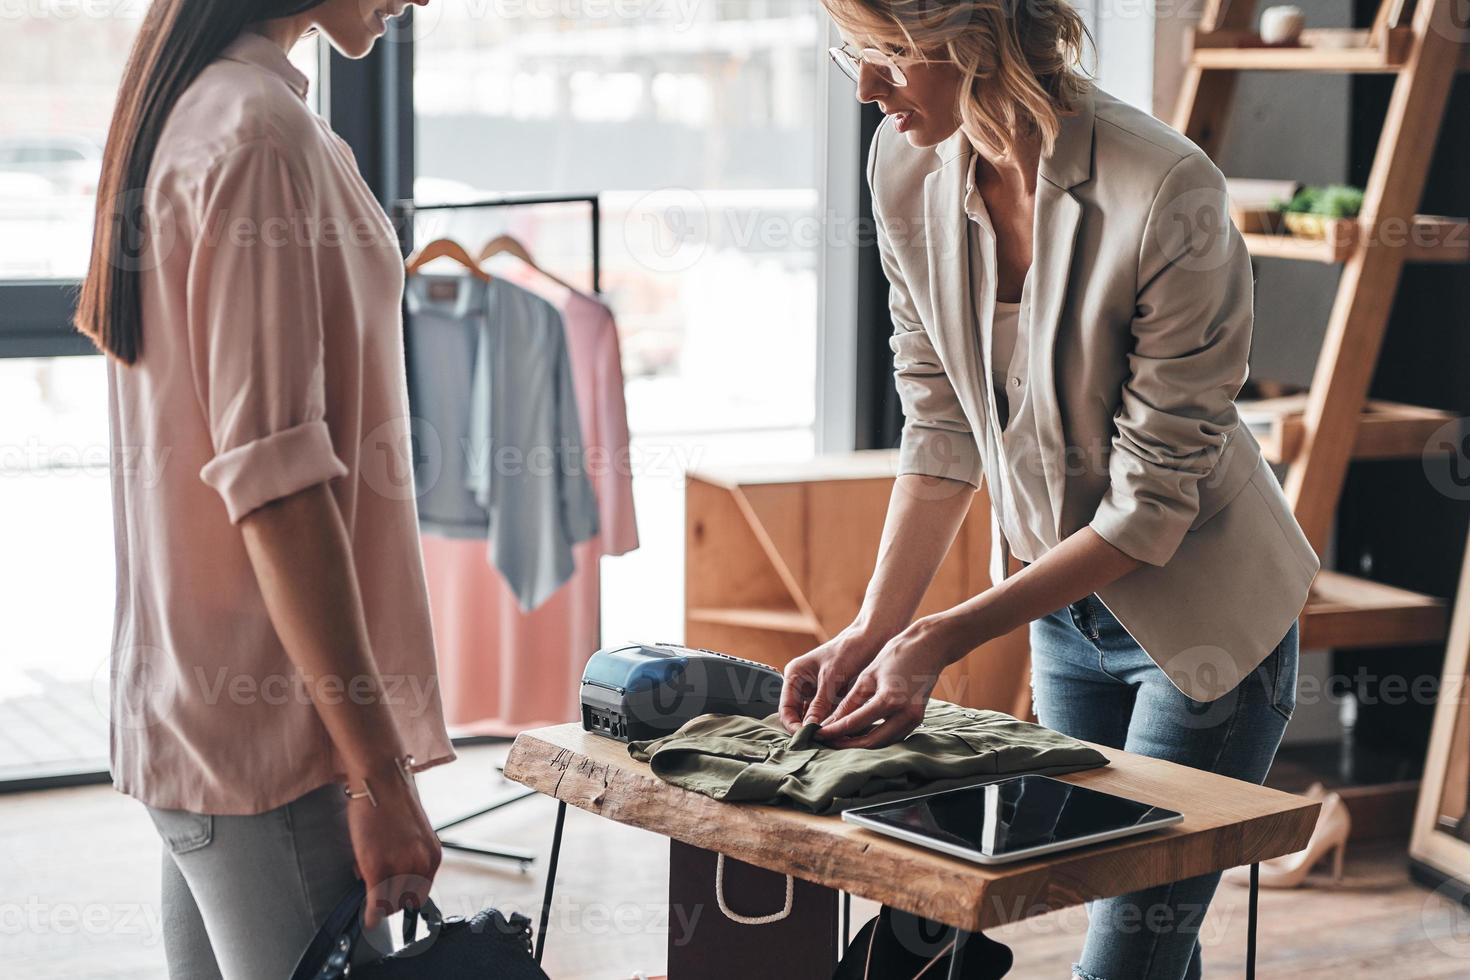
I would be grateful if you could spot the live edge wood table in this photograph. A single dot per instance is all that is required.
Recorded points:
(1226, 823)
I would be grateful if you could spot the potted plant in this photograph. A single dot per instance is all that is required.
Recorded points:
(1322, 212)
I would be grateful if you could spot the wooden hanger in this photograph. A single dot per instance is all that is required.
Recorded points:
(445, 248)
(509, 244)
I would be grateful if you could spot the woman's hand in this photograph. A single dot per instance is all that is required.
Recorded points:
(888, 699)
(396, 849)
(816, 681)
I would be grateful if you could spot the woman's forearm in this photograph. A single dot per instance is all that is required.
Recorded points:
(299, 549)
(1078, 567)
(924, 515)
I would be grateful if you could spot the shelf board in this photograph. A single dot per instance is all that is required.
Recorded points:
(771, 620)
(1296, 248)
(1431, 238)
(1380, 807)
(868, 464)
(1386, 430)
(1324, 50)
(1344, 612)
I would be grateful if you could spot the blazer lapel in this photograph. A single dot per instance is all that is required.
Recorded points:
(1058, 215)
(953, 292)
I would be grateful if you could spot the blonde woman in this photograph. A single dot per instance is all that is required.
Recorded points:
(1072, 318)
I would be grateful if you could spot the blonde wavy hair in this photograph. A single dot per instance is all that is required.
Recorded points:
(1020, 60)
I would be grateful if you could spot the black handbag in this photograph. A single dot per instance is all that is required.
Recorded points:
(486, 945)
(895, 945)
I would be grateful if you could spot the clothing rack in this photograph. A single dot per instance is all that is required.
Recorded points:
(403, 215)
(404, 212)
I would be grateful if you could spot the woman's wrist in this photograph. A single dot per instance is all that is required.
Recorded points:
(947, 635)
(380, 760)
(874, 631)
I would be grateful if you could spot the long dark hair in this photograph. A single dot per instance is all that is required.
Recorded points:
(177, 40)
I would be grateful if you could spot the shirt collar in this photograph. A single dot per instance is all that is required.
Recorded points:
(256, 49)
(974, 203)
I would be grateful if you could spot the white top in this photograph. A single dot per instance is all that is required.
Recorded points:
(1019, 495)
(1005, 325)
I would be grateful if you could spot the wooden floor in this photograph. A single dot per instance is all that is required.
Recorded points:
(59, 728)
(79, 897)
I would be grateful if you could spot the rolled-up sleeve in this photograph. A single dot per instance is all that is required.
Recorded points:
(1191, 344)
(937, 439)
(256, 332)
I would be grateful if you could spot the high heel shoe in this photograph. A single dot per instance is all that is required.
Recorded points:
(1330, 836)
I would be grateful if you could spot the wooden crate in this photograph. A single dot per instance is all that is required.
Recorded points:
(778, 558)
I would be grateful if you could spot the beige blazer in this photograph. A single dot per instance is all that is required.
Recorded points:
(1139, 334)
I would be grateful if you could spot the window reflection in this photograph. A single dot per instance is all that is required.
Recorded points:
(60, 63)
(699, 125)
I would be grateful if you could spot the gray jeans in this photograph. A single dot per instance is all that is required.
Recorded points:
(243, 896)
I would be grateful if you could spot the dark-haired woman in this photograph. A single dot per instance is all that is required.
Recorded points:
(274, 687)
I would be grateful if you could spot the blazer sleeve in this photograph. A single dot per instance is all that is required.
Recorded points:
(1191, 344)
(937, 439)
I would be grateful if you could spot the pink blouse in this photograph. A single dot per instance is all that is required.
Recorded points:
(272, 360)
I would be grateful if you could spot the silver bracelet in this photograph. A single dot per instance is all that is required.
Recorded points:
(405, 769)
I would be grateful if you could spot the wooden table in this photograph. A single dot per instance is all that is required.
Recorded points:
(1226, 823)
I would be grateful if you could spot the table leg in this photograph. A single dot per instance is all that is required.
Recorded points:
(521, 857)
(957, 959)
(704, 944)
(561, 819)
(1250, 923)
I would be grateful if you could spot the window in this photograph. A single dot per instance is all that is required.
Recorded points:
(60, 62)
(56, 573)
(700, 126)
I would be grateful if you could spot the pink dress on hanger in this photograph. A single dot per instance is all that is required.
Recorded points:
(503, 670)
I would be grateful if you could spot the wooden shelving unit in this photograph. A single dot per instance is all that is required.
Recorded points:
(1429, 238)
(1328, 51)
(778, 557)
(1317, 434)
(1319, 51)
(1345, 611)
(1385, 430)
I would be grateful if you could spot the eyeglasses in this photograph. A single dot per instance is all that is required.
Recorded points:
(851, 62)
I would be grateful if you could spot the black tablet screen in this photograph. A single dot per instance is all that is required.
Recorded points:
(1015, 814)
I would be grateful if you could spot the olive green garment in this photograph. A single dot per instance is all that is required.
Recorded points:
(755, 760)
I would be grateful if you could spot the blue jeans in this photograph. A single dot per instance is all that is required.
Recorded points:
(1091, 680)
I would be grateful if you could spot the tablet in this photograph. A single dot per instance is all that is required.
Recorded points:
(1015, 818)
